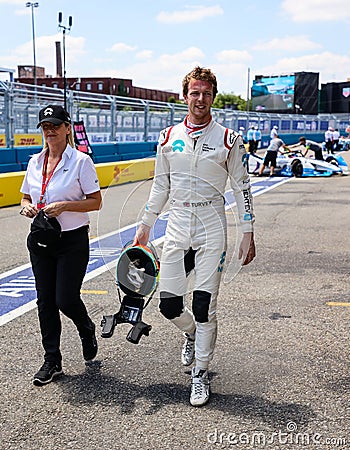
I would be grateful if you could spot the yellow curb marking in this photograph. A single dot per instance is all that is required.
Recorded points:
(337, 304)
(85, 291)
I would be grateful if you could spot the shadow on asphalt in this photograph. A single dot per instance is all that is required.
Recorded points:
(94, 387)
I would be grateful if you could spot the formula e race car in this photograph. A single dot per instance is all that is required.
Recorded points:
(344, 144)
(295, 164)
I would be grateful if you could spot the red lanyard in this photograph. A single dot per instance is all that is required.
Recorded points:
(46, 178)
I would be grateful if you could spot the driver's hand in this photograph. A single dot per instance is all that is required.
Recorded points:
(142, 235)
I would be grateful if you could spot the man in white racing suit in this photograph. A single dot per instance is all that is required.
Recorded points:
(194, 161)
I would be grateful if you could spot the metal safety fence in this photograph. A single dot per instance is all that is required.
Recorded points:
(109, 118)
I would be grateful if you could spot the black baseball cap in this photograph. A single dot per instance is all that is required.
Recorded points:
(54, 114)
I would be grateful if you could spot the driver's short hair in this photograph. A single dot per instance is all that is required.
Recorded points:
(203, 74)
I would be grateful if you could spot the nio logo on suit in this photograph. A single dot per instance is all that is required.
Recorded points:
(178, 146)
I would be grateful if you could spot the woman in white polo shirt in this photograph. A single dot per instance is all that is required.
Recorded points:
(62, 182)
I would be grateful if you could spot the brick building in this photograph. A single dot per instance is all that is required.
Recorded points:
(99, 85)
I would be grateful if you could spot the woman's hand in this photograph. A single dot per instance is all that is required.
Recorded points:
(54, 209)
(29, 210)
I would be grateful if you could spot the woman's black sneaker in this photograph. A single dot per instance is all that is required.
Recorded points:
(47, 372)
(89, 344)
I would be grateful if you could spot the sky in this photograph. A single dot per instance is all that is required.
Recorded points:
(155, 43)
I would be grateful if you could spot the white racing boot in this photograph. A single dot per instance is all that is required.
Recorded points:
(188, 350)
(200, 388)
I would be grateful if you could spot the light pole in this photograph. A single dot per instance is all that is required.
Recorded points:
(248, 87)
(33, 5)
(64, 29)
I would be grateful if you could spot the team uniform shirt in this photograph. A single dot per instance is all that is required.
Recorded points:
(312, 145)
(273, 133)
(336, 135)
(275, 145)
(272, 150)
(250, 134)
(74, 177)
(257, 135)
(328, 136)
(315, 147)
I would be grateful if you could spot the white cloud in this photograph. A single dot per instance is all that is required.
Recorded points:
(317, 10)
(189, 14)
(23, 12)
(12, 2)
(46, 53)
(164, 72)
(144, 54)
(288, 44)
(232, 77)
(167, 71)
(121, 47)
(188, 54)
(233, 56)
(232, 71)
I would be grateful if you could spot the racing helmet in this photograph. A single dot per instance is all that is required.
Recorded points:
(137, 270)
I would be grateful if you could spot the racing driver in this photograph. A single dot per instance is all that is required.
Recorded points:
(195, 158)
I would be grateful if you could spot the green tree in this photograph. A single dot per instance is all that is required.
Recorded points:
(230, 101)
(122, 89)
(172, 99)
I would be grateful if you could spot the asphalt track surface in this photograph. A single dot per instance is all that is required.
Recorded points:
(281, 373)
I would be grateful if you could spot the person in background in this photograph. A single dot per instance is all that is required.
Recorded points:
(241, 133)
(336, 137)
(271, 155)
(195, 159)
(250, 139)
(328, 137)
(62, 182)
(311, 145)
(274, 132)
(257, 138)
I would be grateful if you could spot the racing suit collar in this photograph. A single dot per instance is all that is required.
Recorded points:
(193, 130)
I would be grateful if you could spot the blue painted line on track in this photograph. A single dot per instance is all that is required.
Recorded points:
(17, 287)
